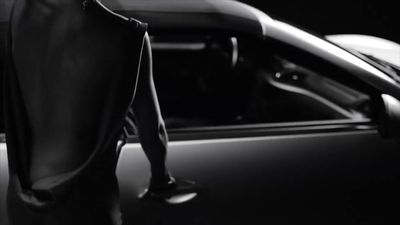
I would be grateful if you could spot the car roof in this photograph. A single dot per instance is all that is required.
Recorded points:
(193, 15)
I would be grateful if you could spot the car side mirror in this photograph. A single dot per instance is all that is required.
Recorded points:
(389, 118)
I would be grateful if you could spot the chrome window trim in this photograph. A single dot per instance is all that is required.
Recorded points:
(267, 129)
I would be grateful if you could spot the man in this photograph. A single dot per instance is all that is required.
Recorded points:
(72, 75)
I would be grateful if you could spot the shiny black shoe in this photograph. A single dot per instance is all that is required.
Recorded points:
(176, 191)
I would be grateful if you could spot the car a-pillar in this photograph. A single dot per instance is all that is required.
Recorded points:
(389, 118)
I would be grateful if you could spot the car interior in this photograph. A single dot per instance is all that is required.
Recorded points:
(222, 80)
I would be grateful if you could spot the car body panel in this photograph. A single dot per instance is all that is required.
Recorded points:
(3, 181)
(380, 48)
(176, 15)
(261, 180)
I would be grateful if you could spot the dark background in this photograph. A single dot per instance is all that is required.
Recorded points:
(371, 17)
(379, 18)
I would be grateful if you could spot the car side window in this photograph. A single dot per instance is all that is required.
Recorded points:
(206, 81)
(222, 80)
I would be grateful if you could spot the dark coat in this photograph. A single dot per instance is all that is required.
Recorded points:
(71, 76)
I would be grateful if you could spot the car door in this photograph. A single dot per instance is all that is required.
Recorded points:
(270, 139)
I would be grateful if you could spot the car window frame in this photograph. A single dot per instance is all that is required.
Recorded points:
(276, 128)
(270, 129)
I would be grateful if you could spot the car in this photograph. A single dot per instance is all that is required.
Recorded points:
(276, 124)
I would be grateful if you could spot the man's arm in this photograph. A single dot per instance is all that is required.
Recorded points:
(148, 120)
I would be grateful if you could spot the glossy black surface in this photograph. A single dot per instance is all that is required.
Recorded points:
(343, 178)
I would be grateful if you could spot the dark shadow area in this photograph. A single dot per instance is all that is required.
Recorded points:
(377, 18)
